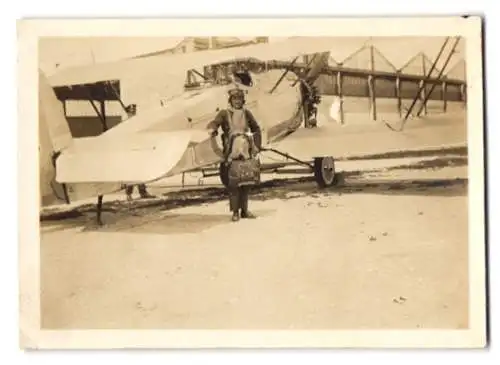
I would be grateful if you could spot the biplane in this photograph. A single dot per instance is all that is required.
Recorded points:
(170, 140)
(162, 142)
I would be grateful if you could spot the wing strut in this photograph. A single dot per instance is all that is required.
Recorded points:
(200, 74)
(110, 85)
(101, 114)
(102, 117)
(99, 210)
(288, 69)
(304, 75)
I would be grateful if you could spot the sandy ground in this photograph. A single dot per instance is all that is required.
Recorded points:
(386, 248)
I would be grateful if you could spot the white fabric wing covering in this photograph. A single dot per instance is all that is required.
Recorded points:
(141, 157)
(181, 63)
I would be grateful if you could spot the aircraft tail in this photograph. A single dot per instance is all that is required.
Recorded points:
(54, 139)
(54, 135)
(51, 114)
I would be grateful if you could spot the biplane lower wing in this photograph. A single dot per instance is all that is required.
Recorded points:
(138, 158)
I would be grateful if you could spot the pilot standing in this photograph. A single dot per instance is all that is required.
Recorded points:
(236, 121)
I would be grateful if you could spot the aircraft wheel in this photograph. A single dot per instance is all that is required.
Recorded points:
(324, 171)
(224, 174)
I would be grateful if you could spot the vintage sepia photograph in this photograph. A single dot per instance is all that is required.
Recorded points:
(229, 185)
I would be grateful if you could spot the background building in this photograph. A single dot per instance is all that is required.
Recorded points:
(355, 58)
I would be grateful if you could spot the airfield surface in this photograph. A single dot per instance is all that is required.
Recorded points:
(387, 248)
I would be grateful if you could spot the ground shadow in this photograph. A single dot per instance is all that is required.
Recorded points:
(158, 222)
(408, 187)
(158, 215)
(153, 220)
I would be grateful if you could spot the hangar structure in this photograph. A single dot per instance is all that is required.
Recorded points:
(372, 78)
(377, 78)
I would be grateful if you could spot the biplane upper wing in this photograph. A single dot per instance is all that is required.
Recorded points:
(181, 63)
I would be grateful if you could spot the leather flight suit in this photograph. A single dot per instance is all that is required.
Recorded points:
(238, 196)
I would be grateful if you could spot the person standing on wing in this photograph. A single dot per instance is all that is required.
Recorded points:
(242, 140)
